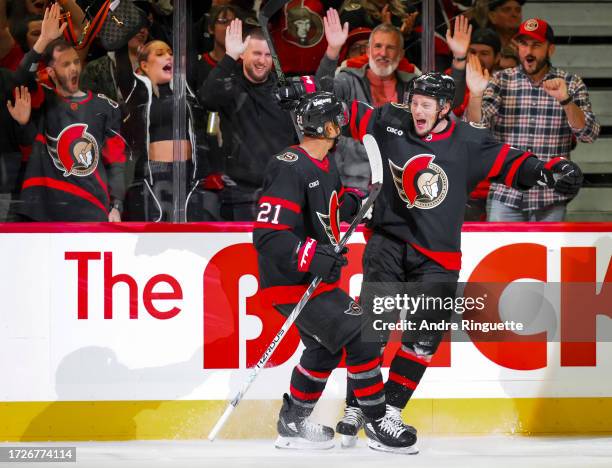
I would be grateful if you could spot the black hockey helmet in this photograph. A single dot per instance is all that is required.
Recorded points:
(316, 109)
(435, 85)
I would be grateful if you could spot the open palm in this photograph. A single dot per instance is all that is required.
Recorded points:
(22, 108)
(335, 32)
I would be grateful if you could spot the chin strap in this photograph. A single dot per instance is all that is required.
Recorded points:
(439, 118)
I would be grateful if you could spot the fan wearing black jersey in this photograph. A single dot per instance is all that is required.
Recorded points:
(76, 165)
(296, 230)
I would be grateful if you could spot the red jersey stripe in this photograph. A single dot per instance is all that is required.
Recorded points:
(363, 125)
(353, 122)
(282, 202)
(65, 187)
(499, 162)
(449, 260)
(514, 168)
(103, 185)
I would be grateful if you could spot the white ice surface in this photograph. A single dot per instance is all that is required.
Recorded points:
(472, 452)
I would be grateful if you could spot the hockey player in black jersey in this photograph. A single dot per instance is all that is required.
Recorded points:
(75, 171)
(431, 164)
(296, 229)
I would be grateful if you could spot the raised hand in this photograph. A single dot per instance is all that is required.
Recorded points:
(408, 23)
(386, 15)
(234, 45)
(556, 88)
(335, 33)
(476, 77)
(23, 105)
(459, 41)
(51, 28)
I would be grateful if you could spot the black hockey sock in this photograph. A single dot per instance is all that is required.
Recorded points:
(306, 388)
(405, 373)
(368, 388)
(351, 400)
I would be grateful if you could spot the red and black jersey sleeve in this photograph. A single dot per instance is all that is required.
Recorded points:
(499, 162)
(280, 212)
(114, 152)
(360, 119)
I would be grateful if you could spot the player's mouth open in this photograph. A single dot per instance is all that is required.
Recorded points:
(74, 80)
(168, 68)
(420, 123)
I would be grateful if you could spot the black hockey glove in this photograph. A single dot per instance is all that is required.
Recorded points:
(321, 260)
(350, 203)
(297, 87)
(563, 175)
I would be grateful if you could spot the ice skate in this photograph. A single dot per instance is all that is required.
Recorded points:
(396, 413)
(350, 425)
(297, 432)
(389, 434)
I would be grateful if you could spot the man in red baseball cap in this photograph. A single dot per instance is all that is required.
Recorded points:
(535, 106)
(535, 40)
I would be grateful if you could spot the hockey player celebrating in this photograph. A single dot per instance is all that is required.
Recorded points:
(75, 171)
(431, 164)
(296, 230)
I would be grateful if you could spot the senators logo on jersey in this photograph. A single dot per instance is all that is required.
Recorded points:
(331, 221)
(420, 183)
(74, 151)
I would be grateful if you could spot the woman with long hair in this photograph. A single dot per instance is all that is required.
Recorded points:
(148, 126)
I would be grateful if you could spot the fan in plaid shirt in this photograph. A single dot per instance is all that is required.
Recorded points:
(537, 107)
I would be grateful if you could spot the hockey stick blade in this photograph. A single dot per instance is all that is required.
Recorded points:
(374, 157)
(270, 8)
(376, 167)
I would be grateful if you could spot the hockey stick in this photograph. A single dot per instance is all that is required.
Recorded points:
(266, 12)
(375, 160)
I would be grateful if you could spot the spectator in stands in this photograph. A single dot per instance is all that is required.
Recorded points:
(508, 58)
(379, 77)
(505, 17)
(75, 171)
(113, 73)
(220, 18)
(355, 46)
(371, 13)
(253, 125)
(485, 46)
(534, 106)
(148, 127)
(25, 23)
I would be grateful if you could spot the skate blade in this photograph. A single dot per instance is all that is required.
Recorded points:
(374, 445)
(299, 443)
(348, 441)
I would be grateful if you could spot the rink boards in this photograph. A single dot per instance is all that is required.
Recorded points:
(141, 331)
